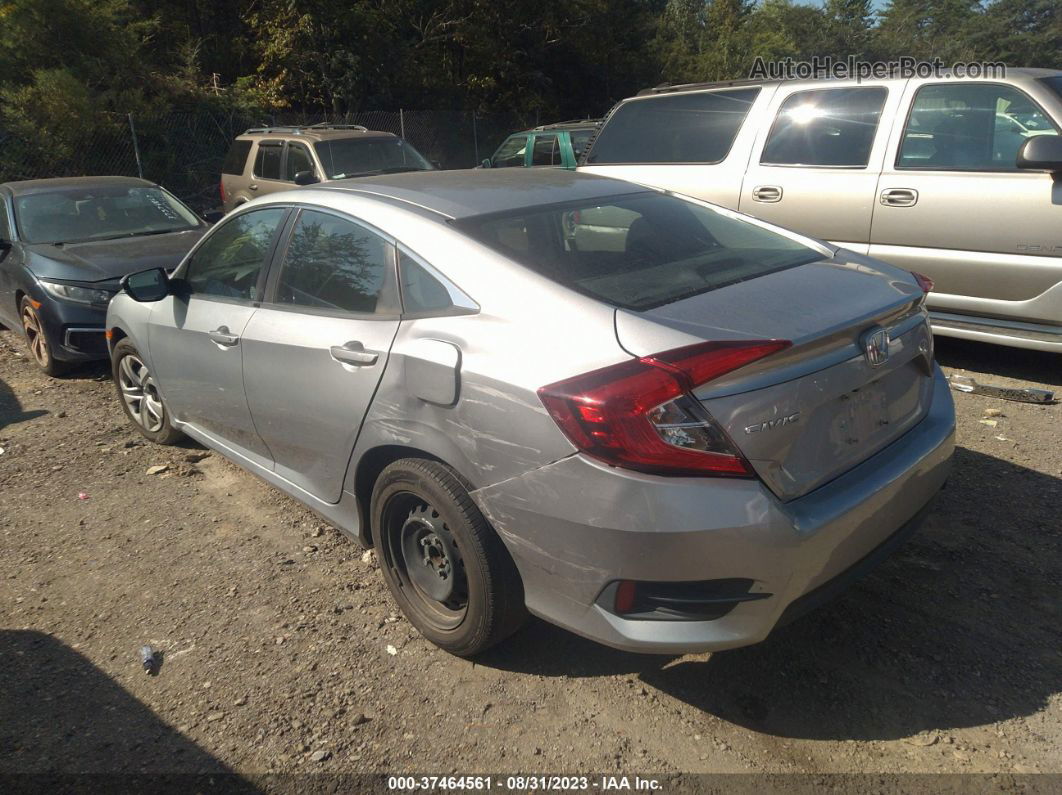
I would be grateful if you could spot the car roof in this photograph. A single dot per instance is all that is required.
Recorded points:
(470, 192)
(30, 186)
(1026, 73)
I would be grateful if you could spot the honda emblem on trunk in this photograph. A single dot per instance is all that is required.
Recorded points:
(876, 346)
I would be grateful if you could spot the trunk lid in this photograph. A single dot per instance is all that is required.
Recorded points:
(812, 412)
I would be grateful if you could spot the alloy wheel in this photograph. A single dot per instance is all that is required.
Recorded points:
(140, 393)
(38, 343)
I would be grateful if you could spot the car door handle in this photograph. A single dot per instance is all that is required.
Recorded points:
(353, 352)
(899, 197)
(222, 336)
(767, 193)
(252, 186)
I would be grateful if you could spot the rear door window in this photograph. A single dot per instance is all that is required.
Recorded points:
(332, 263)
(267, 161)
(970, 127)
(511, 153)
(674, 128)
(236, 159)
(545, 151)
(231, 258)
(827, 127)
(298, 160)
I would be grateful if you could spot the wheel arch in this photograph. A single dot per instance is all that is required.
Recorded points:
(367, 472)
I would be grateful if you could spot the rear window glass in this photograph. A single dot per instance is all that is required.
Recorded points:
(638, 251)
(826, 127)
(676, 128)
(545, 151)
(236, 159)
(267, 161)
(579, 139)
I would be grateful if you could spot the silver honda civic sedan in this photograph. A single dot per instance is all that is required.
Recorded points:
(661, 424)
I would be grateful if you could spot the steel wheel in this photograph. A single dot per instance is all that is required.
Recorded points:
(426, 561)
(140, 393)
(35, 338)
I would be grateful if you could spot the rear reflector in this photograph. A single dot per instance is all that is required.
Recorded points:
(639, 414)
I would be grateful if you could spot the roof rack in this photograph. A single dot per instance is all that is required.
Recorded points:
(300, 130)
(569, 121)
(667, 88)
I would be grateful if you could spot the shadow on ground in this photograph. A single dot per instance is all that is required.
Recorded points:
(11, 409)
(1036, 367)
(961, 627)
(60, 715)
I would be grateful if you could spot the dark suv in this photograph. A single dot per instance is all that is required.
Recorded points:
(557, 145)
(269, 159)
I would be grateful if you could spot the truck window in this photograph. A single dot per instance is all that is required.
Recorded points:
(970, 127)
(695, 127)
(825, 127)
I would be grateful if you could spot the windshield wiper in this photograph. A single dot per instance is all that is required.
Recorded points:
(377, 171)
(134, 234)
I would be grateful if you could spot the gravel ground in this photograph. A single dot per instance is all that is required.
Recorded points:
(282, 650)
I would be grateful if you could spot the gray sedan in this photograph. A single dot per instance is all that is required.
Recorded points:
(660, 424)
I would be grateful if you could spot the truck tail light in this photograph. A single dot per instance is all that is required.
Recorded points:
(639, 414)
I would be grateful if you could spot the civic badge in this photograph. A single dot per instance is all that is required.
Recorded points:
(876, 346)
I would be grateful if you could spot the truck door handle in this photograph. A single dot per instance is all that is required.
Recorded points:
(222, 336)
(767, 193)
(899, 197)
(354, 353)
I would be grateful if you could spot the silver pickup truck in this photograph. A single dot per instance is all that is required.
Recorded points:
(959, 179)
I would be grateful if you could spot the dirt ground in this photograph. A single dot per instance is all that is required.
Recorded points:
(282, 650)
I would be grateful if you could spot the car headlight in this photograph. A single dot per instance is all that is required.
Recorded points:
(76, 293)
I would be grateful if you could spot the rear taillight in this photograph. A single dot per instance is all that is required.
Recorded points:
(923, 281)
(639, 414)
(221, 189)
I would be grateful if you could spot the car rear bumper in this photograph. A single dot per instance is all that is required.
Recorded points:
(576, 526)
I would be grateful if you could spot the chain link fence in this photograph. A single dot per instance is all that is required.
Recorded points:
(183, 150)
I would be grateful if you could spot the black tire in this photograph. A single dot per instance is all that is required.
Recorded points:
(41, 348)
(139, 395)
(422, 515)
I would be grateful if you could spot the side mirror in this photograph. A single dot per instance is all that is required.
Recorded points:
(486, 163)
(305, 178)
(213, 216)
(1041, 153)
(147, 286)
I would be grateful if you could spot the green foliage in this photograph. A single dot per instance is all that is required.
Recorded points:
(71, 70)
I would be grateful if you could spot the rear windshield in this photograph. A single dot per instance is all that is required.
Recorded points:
(102, 213)
(236, 159)
(350, 157)
(638, 251)
(674, 128)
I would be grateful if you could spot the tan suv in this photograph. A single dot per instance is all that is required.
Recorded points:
(956, 178)
(269, 159)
